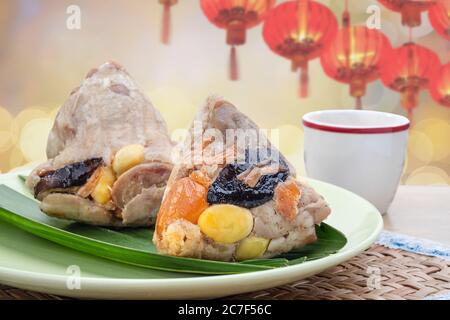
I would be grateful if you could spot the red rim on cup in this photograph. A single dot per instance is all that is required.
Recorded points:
(355, 121)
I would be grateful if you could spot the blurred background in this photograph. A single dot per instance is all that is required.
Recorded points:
(41, 61)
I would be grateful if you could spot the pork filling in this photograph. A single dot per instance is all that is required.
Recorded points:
(129, 189)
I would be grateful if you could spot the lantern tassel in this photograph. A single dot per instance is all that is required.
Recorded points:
(346, 16)
(304, 82)
(359, 103)
(409, 100)
(234, 71)
(410, 115)
(165, 31)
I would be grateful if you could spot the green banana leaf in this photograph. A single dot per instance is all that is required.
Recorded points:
(135, 247)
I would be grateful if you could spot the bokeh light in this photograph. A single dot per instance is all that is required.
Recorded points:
(428, 175)
(171, 102)
(5, 119)
(6, 134)
(438, 132)
(33, 138)
(53, 113)
(420, 146)
(26, 116)
(16, 157)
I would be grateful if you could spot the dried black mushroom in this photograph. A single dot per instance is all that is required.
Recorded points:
(71, 175)
(229, 189)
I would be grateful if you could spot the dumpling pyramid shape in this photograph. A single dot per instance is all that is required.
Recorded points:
(232, 196)
(109, 154)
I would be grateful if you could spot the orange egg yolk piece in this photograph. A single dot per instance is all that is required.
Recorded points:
(286, 197)
(186, 199)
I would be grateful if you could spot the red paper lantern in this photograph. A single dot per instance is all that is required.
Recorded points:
(409, 9)
(409, 70)
(440, 86)
(236, 16)
(440, 18)
(355, 56)
(300, 31)
(165, 30)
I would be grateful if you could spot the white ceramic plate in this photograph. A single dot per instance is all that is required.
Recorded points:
(29, 262)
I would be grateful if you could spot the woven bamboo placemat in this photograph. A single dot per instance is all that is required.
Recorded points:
(377, 273)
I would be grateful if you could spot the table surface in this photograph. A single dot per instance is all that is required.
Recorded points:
(421, 211)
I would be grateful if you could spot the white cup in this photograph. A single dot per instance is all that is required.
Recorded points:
(362, 151)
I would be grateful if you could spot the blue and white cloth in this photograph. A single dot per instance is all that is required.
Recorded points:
(416, 245)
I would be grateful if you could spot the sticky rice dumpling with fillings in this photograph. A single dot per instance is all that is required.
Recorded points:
(232, 196)
(109, 154)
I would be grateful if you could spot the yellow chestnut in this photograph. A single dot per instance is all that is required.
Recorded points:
(226, 223)
(251, 248)
(128, 157)
(102, 191)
